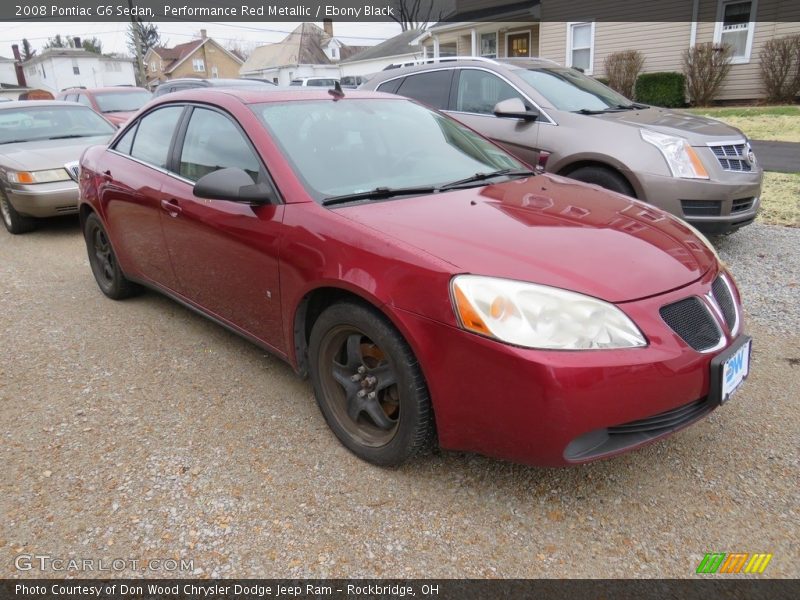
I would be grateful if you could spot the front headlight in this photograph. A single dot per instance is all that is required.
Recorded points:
(680, 156)
(540, 316)
(47, 176)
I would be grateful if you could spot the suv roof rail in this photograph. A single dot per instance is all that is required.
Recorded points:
(493, 61)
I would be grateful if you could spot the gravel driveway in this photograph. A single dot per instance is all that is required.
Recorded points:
(138, 430)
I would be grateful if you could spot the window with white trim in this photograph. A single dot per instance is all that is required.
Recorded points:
(735, 24)
(153, 67)
(214, 71)
(580, 46)
(488, 45)
(198, 65)
(76, 70)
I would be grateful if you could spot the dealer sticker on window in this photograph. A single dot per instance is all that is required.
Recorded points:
(735, 370)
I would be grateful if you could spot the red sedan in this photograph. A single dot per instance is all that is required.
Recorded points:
(433, 287)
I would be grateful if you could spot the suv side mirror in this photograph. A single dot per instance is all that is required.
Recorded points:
(232, 184)
(514, 108)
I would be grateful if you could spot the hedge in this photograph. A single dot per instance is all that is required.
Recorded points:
(661, 89)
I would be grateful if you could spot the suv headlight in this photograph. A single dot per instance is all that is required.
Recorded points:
(680, 156)
(540, 316)
(47, 176)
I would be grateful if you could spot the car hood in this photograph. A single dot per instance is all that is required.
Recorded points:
(118, 118)
(698, 130)
(46, 154)
(548, 230)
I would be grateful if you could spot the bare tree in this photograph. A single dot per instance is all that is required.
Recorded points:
(622, 69)
(27, 51)
(142, 37)
(780, 68)
(415, 14)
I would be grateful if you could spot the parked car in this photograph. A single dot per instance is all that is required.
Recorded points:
(188, 83)
(694, 167)
(40, 144)
(430, 284)
(117, 104)
(328, 82)
(352, 81)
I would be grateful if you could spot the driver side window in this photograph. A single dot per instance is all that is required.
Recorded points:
(479, 91)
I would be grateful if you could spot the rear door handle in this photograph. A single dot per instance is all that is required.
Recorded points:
(107, 176)
(171, 206)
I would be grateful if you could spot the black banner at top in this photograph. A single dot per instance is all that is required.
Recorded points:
(414, 11)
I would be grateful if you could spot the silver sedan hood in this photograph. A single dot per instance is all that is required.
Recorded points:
(45, 154)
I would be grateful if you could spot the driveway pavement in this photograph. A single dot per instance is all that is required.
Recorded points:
(778, 156)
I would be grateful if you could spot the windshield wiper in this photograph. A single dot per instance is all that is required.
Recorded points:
(478, 177)
(379, 193)
(67, 136)
(589, 111)
(632, 106)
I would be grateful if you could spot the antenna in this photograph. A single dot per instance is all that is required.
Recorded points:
(336, 92)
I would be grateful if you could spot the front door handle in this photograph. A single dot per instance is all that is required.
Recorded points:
(107, 176)
(171, 206)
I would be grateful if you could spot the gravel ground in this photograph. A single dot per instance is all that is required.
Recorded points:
(138, 430)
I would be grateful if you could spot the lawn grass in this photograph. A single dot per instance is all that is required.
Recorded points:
(771, 123)
(780, 199)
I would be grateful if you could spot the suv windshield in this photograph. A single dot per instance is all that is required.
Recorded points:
(51, 123)
(571, 90)
(353, 146)
(122, 101)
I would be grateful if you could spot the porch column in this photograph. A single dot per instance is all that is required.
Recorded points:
(474, 41)
(436, 46)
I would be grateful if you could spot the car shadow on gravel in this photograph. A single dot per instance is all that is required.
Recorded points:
(57, 227)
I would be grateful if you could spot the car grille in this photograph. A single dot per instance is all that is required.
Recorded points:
(742, 205)
(73, 169)
(701, 208)
(725, 301)
(732, 157)
(664, 422)
(619, 437)
(693, 322)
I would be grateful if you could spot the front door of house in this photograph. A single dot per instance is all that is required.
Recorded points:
(518, 44)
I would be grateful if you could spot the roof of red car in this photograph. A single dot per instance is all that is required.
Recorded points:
(276, 94)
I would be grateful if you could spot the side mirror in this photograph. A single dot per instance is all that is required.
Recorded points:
(232, 184)
(514, 108)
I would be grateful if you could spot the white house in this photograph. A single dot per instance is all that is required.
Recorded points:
(395, 51)
(58, 68)
(8, 75)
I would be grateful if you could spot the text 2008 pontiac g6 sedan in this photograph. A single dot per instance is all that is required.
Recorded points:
(434, 289)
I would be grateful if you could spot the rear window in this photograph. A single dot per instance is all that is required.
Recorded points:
(111, 102)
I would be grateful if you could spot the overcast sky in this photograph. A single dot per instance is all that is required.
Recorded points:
(246, 34)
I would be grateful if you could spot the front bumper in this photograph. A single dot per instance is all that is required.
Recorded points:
(44, 199)
(529, 405)
(710, 205)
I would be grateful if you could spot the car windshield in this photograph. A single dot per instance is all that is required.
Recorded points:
(353, 146)
(122, 101)
(51, 122)
(571, 90)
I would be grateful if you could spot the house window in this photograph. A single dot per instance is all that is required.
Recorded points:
(214, 71)
(488, 47)
(333, 52)
(76, 70)
(580, 46)
(198, 65)
(153, 67)
(518, 44)
(735, 24)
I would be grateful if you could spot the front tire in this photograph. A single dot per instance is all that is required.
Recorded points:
(107, 272)
(605, 178)
(14, 222)
(369, 386)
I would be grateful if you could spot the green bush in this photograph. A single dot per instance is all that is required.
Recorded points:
(661, 89)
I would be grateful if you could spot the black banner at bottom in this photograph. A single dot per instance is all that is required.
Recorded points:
(711, 588)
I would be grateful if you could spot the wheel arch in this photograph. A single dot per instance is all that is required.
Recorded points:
(565, 169)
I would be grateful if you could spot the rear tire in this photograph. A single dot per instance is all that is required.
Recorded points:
(604, 177)
(107, 272)
(369, 386)
(14, 222)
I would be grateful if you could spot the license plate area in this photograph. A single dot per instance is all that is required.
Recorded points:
(730, 369)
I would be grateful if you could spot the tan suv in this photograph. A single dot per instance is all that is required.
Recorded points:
(694, 167)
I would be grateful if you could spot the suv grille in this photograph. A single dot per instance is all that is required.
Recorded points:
(693, 322)
(732, 157)
(701, 208)
(723, 297)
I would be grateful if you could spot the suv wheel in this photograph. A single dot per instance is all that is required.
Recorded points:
(604, 177)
